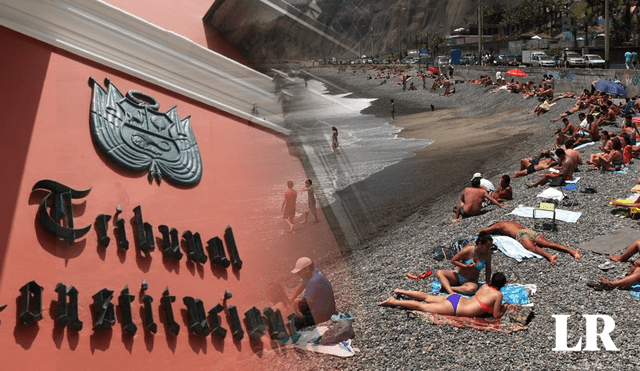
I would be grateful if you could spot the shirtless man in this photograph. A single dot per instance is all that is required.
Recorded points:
(530, 239)
(471, 201)
(504, 192)
(530, 165)
(575, 155)
(568, 165)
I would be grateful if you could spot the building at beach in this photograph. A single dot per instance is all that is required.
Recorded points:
(144, 169)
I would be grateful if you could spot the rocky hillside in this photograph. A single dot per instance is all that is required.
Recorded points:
(314, 29)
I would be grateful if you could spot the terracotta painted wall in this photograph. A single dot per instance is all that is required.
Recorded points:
(183, 17)
(45, 135)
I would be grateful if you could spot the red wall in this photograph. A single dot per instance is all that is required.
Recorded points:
(45, 135)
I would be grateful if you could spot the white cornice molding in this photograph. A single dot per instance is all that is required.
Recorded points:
(109, 36)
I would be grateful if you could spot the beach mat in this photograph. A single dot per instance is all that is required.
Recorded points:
(517, 318)
(564, 215)
(611, 243)
(305, 342)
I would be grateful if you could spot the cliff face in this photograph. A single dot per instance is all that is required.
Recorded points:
(314, 29)
(386, 26)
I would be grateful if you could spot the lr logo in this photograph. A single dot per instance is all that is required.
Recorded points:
(591, 333)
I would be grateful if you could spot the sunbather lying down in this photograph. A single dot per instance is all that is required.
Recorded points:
(488, 299)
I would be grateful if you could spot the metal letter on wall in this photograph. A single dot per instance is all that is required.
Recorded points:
(61, 210)
(132, 132)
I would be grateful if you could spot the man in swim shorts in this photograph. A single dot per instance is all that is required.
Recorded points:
(568, 166)
(471, 201)
(530, 239)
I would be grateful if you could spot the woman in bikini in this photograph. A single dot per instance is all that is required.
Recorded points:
(470, 261)
(488, 300)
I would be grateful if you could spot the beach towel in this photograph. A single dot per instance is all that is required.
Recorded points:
(584, 145)
(551, 194)
(517, 318)
(305, 342)
(564, 215)
(611, 243)
(512, 294)
(513, 249)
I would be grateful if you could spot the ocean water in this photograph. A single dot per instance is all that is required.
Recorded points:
(367, 144)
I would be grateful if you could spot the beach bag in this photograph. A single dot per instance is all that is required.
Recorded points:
(557, 181)
(337, 332)
(444, 252)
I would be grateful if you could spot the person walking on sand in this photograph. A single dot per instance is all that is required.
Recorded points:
(312, 201)
(530, 239)
(334, 142)
(393, 109)
(288, 208)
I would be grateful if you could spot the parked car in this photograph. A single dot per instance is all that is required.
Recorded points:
(575, 60)
(511, 60)
(594, 61)
(499, 60)
(464, 61)
(542, 60)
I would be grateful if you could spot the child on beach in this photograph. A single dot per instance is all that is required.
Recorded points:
(312, 201)
(288, 208)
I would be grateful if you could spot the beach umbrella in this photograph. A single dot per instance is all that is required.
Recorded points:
(434, 70)
(516, 72)
(610, 87)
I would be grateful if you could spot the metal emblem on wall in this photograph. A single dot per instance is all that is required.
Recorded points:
(132, 132)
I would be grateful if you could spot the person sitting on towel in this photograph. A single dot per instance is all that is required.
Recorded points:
(530, 239)
(470, 261)
(471, 201)
(566, 169)
(487, 300)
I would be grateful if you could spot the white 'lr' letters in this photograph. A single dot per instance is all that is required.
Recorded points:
(591, 333)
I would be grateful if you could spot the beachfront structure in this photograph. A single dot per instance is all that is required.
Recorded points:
(144, 168)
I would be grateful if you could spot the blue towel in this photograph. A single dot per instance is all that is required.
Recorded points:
(635, 290)
(510, 294)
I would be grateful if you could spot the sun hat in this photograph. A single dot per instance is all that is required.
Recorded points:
(301, 264)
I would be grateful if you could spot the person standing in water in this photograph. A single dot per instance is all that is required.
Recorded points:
(334, 143)
(308, 187)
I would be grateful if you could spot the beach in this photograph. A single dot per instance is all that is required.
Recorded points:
(409, 211)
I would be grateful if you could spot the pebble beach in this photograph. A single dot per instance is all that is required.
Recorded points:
(473, 131)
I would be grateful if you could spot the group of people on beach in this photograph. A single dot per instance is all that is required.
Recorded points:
(559, 163)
